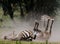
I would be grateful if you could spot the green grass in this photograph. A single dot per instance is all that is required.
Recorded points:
(23, 42)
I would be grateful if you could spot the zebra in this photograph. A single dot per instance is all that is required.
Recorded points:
(25, 35)
(45, 35)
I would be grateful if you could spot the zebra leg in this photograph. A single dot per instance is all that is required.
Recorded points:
(29, 39)
(36, 26)
(47, 25)
(52, 21)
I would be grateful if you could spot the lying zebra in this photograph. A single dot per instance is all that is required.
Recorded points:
(26, 35)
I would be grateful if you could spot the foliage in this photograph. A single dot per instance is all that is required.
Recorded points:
(48, 7)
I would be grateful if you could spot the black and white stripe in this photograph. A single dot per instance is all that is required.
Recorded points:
(26, 35)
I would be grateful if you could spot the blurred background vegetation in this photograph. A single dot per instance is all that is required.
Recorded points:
(21, 8)
(48, 7)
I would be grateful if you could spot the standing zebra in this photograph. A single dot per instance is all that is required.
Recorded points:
(45, 35)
